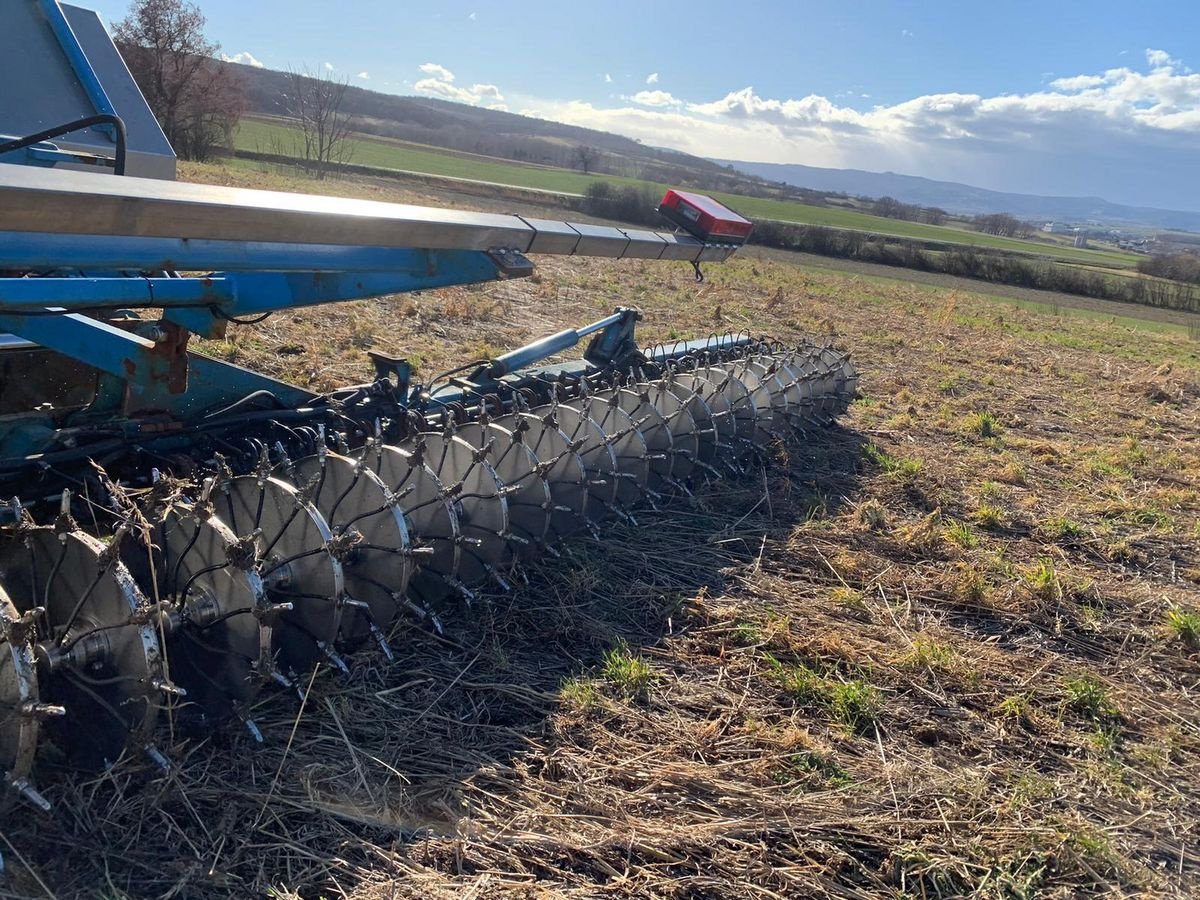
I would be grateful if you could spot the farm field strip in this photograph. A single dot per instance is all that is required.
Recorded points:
(256, 135)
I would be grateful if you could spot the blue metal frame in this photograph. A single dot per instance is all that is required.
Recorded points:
(272, 277)
(79, 62)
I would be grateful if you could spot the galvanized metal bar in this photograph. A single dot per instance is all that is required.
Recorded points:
(50, 201)
(37, 252)
(678, 349)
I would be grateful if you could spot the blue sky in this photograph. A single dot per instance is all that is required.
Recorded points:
(1064, 97)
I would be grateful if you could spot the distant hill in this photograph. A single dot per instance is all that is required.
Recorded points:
(966, 200)
(489, 132)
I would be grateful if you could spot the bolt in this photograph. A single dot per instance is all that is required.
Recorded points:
(42, 711)
(27, 790)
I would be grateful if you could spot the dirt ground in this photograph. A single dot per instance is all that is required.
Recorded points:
(948, 647)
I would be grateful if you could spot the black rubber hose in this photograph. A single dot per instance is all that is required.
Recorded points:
(254, 397)
(78, 125)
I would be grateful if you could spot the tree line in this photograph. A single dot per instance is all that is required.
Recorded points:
(1001, 224)
(1175, 266)
(995, 266)
(891, 208)
(636, 206)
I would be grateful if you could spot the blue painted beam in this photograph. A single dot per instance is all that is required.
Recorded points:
(37, 294)
(106, 347)
(87, 76)
(268, 291)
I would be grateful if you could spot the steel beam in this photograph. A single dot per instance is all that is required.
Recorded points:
(49, 201)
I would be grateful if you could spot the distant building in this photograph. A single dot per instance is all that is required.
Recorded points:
(1057, 228)
(1138, 245)
(1081, 241)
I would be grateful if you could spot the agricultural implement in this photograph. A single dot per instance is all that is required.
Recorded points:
(184, 535)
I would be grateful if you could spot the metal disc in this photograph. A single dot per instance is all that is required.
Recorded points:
(741, 407)
(377, 569)
(768, 393)
(809, 383)
(599, 461)
(100, 666)
(432, 520)
(681, 423)
(627, 443)
(479, 501)
(796, 390)
(655, 431)
(529, 500)
(564, 472)
(295, 560)
(221, 654)
(18, 695)
(709, 408)
(845, 379)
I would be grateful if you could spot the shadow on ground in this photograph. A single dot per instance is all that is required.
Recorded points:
(380, 761)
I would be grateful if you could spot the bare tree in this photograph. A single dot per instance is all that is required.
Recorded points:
(586, 157)
(1001, 224)
(196, 98)
(934, 215)
(315, 102)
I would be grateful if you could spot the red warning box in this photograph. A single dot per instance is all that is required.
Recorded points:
(704, 218)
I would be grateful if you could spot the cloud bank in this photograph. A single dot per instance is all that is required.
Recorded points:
(1128, 134)
(440, 84)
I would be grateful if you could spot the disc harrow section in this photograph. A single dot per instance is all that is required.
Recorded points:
(255, 579)
(100, 669)
(214, 612)
(371, 535)
(298, 562)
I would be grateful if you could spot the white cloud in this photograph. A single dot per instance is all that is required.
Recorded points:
(441, 84)
(245, 58)
(328, 67)
(1077, 83)
(441, 73)
(471, 16)
(655, 98)
(652, 78)
(1127, 135)
(607, 78)
(1159, 59)
(904, 32)
(364, 76)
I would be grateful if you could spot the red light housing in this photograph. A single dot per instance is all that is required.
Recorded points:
(704, 218)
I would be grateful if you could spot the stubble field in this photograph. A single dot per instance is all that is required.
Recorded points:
(948, 646)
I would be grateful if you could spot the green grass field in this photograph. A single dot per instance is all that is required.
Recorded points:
(257, 135)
